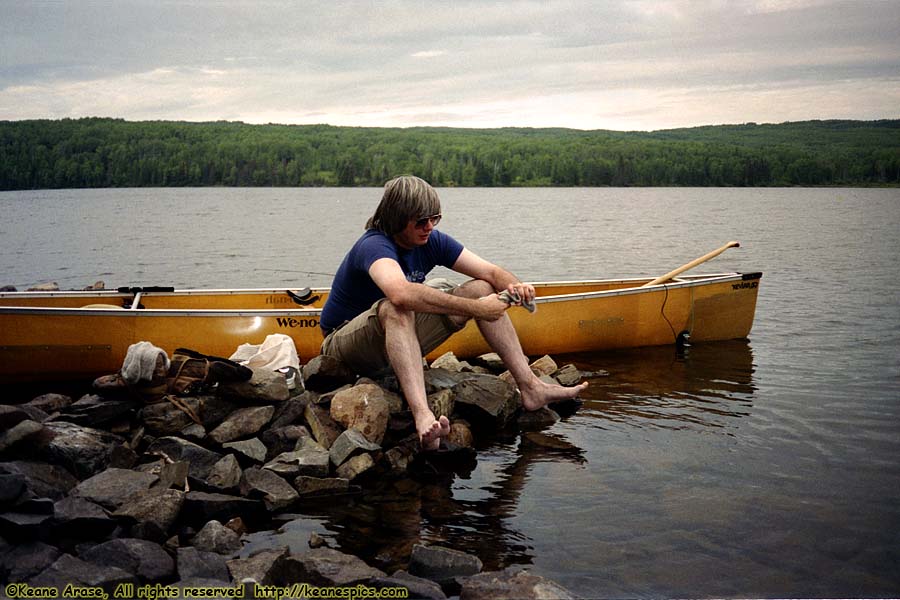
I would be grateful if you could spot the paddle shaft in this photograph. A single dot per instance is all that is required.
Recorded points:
(692, 264)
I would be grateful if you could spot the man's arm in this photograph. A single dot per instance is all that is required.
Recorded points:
(476, 267)
(387, 275)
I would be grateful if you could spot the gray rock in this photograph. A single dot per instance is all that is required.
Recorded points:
(242, 423)
(417, 587)
(490, 361)
(449, 362)
(174, 475)
(83, 451)
(545, 365)
(10, 416)
(568, 375)
(26, 560)
(322, 567)
(95, 411)
(147, 560)
(442, 565)
(112, 487)
(349, 443)
(312, 487)
(400, 457)
(502, 585)
(290, 412)
(324, 373)
(76, 517)
(20, 526)
(274, 491)
(197, 564)
(215, 537)
(364, 408)
(70, 570)
(537, 419)
(200, 459)
(282, 439)
(164, 418)
(42, 479)
(441, 403)
(12, 486)
(151, 514)
(34, 413)
(324, 429)
(442, 379)
(226, 474)
(256, 566)
(486, 398)
(51, 403)
(264, 387)
(253, 449)
(355, 466)
(308, 459)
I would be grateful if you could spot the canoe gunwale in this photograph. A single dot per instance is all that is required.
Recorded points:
(681, 282)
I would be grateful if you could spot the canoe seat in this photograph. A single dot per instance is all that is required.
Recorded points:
(107, 306)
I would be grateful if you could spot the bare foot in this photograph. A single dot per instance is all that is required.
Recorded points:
(431, 431)
(540, 393)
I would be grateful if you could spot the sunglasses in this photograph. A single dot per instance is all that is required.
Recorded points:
(433, 219)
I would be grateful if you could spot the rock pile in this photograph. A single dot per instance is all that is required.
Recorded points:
(108, 490)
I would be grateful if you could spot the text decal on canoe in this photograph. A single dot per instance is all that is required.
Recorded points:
(292, 322)
(745, 285)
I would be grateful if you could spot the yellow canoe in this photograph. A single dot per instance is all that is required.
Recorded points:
(72, 335)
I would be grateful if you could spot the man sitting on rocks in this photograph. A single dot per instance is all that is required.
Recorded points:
(381, 316)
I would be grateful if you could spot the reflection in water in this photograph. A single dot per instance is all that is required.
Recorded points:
(476, 511)
(704, 385)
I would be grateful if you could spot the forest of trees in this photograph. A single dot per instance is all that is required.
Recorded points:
(96, 152)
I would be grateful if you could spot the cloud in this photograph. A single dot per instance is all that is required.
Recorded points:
(620, 65)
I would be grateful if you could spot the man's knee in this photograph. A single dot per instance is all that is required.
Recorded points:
(474, 288)
(389, 314)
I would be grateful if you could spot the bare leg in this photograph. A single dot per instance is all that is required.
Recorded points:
(502, 337)
(405, 356)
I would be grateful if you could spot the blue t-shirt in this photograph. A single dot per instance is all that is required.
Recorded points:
(354, 292)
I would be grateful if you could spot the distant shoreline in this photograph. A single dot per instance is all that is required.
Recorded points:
(110, 153)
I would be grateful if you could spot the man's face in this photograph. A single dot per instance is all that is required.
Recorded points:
(417, 231)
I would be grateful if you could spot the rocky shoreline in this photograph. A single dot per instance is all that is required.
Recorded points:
(113, 490)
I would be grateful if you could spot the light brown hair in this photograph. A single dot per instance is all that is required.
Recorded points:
(406, 197)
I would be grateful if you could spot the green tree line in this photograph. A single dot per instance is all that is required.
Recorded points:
(98, 152)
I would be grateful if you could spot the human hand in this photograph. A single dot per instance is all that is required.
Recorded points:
(523, 291)
(490, 308)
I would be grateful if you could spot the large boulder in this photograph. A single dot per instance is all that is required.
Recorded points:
(145, 559)
(325, 373)
(215, 537)
(113, 487)
(442, 565)
(486, 400)
(152, 513)
(176, 449)
(79, 518)
(264, 387)
(364, 408)
(507, 584)
(274, 491)
(322, 567)
(83, 451)
(308, 459)
(41, 479)
(242, 423)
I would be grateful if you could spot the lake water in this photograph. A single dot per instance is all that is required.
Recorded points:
(768, 467)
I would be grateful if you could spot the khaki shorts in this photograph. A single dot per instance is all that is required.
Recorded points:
(360, 343)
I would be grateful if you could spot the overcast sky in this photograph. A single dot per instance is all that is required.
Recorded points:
(624, 65)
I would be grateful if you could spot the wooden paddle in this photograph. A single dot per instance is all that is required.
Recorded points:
(692, 264)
